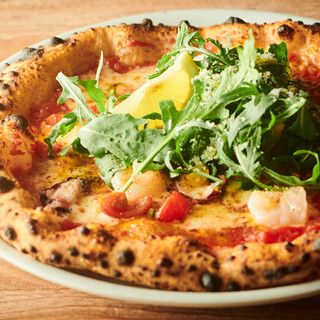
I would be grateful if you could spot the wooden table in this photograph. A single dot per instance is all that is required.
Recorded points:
(24, 296)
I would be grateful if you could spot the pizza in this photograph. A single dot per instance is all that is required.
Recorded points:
(214, 187)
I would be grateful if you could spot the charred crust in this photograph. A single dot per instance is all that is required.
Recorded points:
(243, 247)
(6, 185)
(215, 264)
(186, 22)
(56, 40)
(191, 268)
(247, 271)
(125, 258)
(117, 274)
(105, 235)
(85, 256)
(20, 122)
(33, 249)
(10, 233)
(103, 264)
(156, 273)
(165, 262)
(28, 52)
(233, 20)
(288, 246)
(147, 23)
(4, 86)
(278, 273)
(84, 230)
(305, 257)
(31, 225)
(286, 32)
(73, 251)
(13, 73)
(210, 282)
(40, 52)
(55, 257)
(233, 286)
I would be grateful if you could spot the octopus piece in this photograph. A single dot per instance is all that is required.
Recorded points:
(64, 195)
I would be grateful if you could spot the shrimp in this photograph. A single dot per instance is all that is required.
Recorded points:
(279, 208)
(151, 183)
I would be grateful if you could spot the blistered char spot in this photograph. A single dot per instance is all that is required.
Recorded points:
(10, 233)
(21, 123)
(28, 52)
(125, 257)
(165, 262)
(31, 226)
(233, 286)
(286, 32)
(84, 230)
(233, 20)
(6, 185)
(103, 264)
(55, 257)
(211, 282)
(73, 252)
(55, 41)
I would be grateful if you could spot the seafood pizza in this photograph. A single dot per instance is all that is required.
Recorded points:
(179, 158)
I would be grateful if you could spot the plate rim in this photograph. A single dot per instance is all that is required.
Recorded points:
(150, 296)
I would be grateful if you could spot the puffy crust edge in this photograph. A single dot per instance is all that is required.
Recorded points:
(175, 263)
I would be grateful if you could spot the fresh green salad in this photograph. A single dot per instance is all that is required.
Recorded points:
(247, 118)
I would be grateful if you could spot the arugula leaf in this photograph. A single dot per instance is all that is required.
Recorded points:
(312, 182)
(70, 90)
(227, 125)
(119, 134)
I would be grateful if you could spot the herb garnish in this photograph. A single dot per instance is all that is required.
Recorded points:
(244, 105)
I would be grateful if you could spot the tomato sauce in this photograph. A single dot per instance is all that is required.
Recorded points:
(41, 113)
(136, 43)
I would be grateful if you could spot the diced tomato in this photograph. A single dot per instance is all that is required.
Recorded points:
(67, 224)
(39, 150)
(42, 112)
(53, 119)
(176, 207)
(94, 108)
(136, 43)
(276, 235)
(116, 205)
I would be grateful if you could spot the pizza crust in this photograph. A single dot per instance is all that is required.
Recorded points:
(172, 262)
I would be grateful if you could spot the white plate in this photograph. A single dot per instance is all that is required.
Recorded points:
(129, 293)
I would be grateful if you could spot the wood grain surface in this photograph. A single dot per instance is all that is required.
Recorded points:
(24, 296)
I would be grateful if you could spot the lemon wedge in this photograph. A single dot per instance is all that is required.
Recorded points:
(174, 83)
